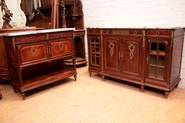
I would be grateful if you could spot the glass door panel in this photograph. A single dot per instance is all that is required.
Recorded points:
(157, 59)
(95, 51)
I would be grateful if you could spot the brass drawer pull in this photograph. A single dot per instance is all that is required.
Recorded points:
(31, 38)
(135, 32)
(61, 34)
(157, 33)
(107, 32)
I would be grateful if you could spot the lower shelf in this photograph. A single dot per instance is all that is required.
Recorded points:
(38, 81)
(78, 61)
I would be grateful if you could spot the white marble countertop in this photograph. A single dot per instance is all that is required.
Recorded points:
(137, 27)
(36, 31)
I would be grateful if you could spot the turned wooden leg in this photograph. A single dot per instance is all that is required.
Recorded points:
(90, 73)
(23, 95)
(103, 77)
(176, 86)
(75, 77)
(166, 94)
(0, 96)
(142, 88)
(15, 90)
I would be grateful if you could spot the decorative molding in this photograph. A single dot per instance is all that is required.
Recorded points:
(111, 47)
(131, 48)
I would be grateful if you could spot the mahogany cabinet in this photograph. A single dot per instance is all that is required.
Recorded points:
(37, 58)
(147, 57)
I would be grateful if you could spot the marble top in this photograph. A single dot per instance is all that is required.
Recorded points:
(136, 27)
(36, 31)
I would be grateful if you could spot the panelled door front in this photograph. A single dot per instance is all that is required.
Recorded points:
(111, 54)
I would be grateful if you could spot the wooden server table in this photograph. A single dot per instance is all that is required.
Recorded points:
(36, 58)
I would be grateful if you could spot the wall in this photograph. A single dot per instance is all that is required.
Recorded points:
(136, 13)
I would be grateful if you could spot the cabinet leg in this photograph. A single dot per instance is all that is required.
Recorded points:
(142, 88)
(90, 73)
(75, 76)
(166, 94)
(0, 96)
(23, 95)
(103, 77)
(15, 90)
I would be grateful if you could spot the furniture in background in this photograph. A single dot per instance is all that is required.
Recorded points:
(147, 57)
(59, 14)
(36, 58)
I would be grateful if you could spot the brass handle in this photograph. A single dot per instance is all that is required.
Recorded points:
(121, 55)
(157, 33)
(135, 32)
(31, 38)
(33, 50)
(147, 59)
(61, 46)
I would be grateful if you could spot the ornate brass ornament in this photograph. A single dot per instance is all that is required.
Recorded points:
(131, 48)
(61, 46)
(33, 50)
(111, 47)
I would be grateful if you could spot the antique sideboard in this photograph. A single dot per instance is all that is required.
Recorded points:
(36, 58)
(145, 56)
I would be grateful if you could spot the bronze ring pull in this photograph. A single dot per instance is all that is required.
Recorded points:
(157, 33)
(31, 38)
(107, 31)
(61, 34)
(61, 46)
(93, 31)
(135, 32)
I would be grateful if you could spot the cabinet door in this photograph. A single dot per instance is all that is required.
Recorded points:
(111, 54)
(131, 58)
(61, 47)
(94, 49)
(32, 52)
(157, 64)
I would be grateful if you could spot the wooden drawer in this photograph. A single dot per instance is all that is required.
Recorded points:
(93, 31)
(61, 47)
(159, 33)
(32, 52)
(28, 38)
(59, 35)
(131, 32)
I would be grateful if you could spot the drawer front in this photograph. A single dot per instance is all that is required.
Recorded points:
(59, 35)
(30, 38)
(130, 32)
(93, 31)
(61, 47)
(159, 33)
(32, 52)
